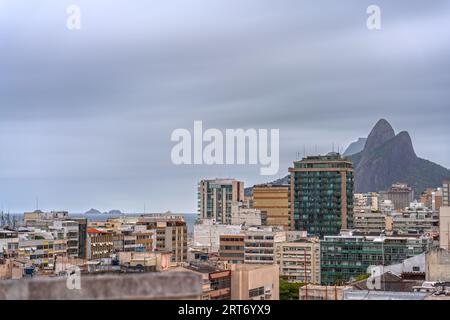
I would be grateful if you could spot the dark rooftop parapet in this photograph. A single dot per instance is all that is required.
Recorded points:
(150, 286)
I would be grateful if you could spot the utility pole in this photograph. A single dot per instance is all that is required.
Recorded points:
(335, 292)
(305, 277)
(382, 273)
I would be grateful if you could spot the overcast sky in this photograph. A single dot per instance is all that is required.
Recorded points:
(86, 115)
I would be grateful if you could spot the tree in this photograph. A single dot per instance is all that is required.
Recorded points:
(289, 290)
(363, 276)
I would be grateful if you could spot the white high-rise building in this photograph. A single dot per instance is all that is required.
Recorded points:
(216, 198)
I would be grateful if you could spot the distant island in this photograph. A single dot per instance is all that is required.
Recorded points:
(117, 212)
(111, 212)
(92, 211)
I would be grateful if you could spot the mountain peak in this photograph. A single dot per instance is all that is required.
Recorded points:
(388, 158)
(405, 143)
(380, 134)
(355, 147)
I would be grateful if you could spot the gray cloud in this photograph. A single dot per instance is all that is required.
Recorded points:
(86, 116)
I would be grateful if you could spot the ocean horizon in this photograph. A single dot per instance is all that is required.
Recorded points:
(190, 218)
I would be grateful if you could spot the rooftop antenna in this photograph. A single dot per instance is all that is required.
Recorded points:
(332, 147)
(304, 150)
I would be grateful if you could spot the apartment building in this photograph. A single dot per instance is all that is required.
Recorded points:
(231, 250)
(207, 234)
(240, 215)
(40, 219)
(100, 244)
(366, 202)
(9, 243)
(349, 254)
(255, 282)
(216, 197)
(171, 234)
(386, 207)
(216, 283)
(118, 242)
(432, 198)
(128, 235)
(82, 236)
(260, 244)
(446, 193)
(74, 229)
(41, 248)
(414, 219)
(273, 201)
(400, 194)
(321, 194)
(370, 222)
(69, 231)
(299, 260)
(444, 228)
(13, 268)
(138, 241)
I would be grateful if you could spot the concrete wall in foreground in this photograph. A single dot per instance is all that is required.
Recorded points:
(150, 286)
(438, 265)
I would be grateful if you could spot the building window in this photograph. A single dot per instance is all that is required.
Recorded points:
(256, 292)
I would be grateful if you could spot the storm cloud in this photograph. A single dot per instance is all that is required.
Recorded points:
(86, 115)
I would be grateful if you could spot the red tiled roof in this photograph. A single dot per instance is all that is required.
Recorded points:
(95, 231)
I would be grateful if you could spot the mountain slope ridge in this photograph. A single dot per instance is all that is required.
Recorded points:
(388, 158)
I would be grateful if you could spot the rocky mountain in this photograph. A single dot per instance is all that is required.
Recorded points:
(388, 158)
(355, 147)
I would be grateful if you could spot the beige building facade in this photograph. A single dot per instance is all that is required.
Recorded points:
(255, 282)
(299, 260)
(444, 228)
(273, 201)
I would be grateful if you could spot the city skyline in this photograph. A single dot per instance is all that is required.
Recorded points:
(86, 116)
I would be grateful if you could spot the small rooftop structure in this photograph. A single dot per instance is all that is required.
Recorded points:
(389, 282)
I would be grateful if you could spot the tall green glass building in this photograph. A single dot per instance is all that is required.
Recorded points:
(321, 194)
(347, 256)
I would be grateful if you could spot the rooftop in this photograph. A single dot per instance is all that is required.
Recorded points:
(150, 286)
